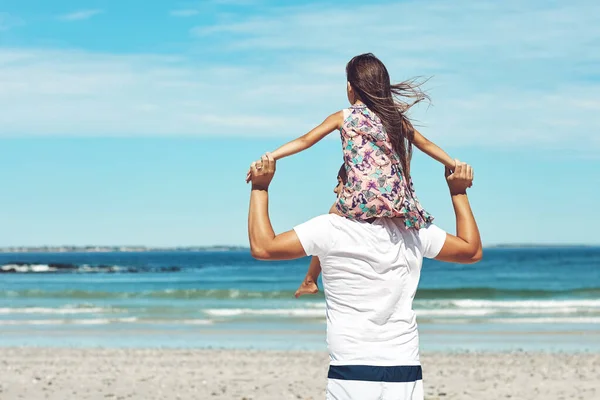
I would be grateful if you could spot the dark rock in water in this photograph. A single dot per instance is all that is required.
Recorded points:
(61, 266)
(34, 267)
(107, 268)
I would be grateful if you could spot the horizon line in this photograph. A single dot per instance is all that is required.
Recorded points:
(142, 248)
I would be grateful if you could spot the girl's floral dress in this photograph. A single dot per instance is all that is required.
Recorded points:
(376, 186)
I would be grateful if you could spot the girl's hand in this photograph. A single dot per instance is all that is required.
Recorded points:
(259, 162)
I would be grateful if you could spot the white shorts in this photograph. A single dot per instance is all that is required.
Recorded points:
(360, 382)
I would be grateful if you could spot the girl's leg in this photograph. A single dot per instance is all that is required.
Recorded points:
(309, 285)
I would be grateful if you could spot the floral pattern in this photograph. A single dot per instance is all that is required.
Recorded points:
(376, 186)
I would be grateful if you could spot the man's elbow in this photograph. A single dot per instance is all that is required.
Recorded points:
(260, 253)
(469, 255)
(477, 256)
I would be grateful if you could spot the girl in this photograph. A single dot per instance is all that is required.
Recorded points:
(377, 140)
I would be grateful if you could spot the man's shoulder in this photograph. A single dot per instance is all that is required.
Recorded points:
(322, 221)
(337, 221)
(323, 218)
(329, 218)
(318, 235)
(432, 239)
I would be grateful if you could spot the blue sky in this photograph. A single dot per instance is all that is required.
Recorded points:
(134, 122)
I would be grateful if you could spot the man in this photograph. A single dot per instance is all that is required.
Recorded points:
(370, 274)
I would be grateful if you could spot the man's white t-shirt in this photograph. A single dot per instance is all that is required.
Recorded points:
(370, 276)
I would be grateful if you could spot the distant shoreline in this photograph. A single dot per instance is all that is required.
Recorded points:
(145, 249)
(540, 246)
(116, 249)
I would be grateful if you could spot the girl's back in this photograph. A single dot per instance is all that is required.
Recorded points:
(376, 186)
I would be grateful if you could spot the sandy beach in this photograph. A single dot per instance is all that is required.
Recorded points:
(44, 373)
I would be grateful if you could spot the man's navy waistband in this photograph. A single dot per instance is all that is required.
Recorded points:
(372, 373)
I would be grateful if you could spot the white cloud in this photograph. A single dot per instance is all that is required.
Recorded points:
(505, 74)
(236, 2)
(503, 71)
(80, 15)
(534, 28)
(8, 21)
(79, 93)
(184, 13)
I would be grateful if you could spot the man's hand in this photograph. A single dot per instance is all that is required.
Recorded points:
(264, 243)
(465, 246)
(460, 179)
(262, 172)
(249, 173)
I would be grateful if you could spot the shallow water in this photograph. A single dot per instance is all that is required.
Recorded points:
(529, 298)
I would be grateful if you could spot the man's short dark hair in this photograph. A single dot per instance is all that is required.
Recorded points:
(342, 174)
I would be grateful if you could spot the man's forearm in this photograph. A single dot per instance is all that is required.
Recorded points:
(260, 230)
(466, 227)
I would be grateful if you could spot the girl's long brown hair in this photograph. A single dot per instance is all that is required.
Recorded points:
(371, 82)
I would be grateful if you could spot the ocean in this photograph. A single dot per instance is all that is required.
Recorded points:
(516, 298)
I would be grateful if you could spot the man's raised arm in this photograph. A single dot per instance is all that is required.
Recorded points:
(465, 247)
(264, 244)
